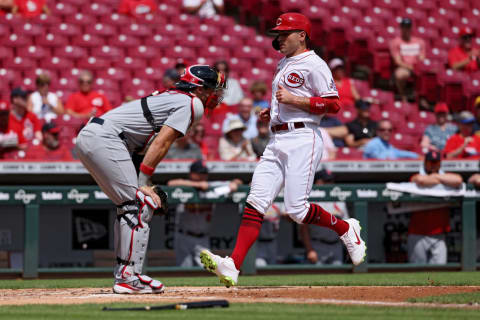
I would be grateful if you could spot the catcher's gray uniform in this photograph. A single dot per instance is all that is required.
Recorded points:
(105, 145)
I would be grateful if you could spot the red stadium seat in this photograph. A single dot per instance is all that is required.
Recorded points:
(75, 3)
(172, 30)
(81, 19)
(317, 16)
(454, 5)
(169, 11)
(105, 84)
(33, 52)
(101, 29)
(347, 114)
(180, 52)
(115, 19)
(424, 5)
(362, 5)
(336, 40)
(385, 97)
(187, 20)
(87, 41)
(97, 9)
(427, 81)
(240, 65)
(143, 52)
(67, 84)
(227, 41)
(453, 93)
(208, 31)
(11, 20)
(212, 146)
(7, 76)
(16, 41)
(472, 89)
(63, 9)
(138, 88)
(394, 6)
(92, 63)
(148, 73)
(57, 63)
(247, 52)
(6, 53)
(107, 52)
(405, 141)
(371, 22)
(359, 50)
(216, 53)
(332, 5)
(352, 14)
(163, 63)
(19, 64)
(51, 40)
(125, 41)
(240, 31)
(446, 14)
(193, 41)
(137, 30)
(414, 128)
(346, 153)
(221, 21)
(46, 20)
(266, 63)
(293, 5)
(260, 42)
(29, 29)
(66, 29)
(397, 120)
(129, 63)
(117, 74)
(383, 14)
(414, 13)
(161, 42)
(204, 60)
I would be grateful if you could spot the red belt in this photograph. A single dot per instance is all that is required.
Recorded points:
(284, 126)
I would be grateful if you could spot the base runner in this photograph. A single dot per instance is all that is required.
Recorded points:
(303, 90)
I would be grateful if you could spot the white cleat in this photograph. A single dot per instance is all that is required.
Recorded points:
(139, 284)
(224, 268)
(355, 245)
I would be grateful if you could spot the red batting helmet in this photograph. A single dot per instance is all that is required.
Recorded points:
(293, 21)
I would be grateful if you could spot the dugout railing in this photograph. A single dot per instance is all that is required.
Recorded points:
(32, 197)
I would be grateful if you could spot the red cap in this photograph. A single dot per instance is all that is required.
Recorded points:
(466, 31)
(4, 106)
(441, 107)
(293, 21)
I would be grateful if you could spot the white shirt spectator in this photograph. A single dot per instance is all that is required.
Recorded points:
(234, 93)
(41, 110)
(207, 10)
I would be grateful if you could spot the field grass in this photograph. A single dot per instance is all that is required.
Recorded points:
(236, 311)
(461, 298)
(368, 279)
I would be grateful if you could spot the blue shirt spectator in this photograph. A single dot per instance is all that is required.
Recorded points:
(248, 118)
(332, 122)
(436, 135)
(380, 148)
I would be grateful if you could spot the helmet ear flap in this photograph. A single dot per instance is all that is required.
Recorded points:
(276, 44)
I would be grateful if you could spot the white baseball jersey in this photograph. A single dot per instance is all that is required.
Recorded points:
(304, 75)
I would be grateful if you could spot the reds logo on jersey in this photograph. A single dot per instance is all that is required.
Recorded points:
(294, 79)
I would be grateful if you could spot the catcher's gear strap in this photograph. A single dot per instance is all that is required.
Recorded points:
(148, 115)
(320, 105)
(127, 220)
(124, 262)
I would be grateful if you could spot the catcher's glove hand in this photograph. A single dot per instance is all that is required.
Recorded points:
(163, 209)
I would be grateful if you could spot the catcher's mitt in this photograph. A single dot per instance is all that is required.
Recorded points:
(163, 209)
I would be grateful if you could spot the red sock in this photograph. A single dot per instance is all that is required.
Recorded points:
(247, 234)
(318, 216)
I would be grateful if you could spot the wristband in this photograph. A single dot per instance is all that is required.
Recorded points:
(146, 169)
(317, 105)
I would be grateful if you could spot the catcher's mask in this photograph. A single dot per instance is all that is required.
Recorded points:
(204, 76)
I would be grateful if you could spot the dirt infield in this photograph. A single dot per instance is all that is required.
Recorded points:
(389, 296)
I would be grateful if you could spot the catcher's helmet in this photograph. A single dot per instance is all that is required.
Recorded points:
(201, 76)
(293, 21)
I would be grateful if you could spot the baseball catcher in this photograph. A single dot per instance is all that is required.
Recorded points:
(148, 127)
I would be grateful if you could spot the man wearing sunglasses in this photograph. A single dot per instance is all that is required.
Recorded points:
(147, 126)
(380, 147)
(465, 57)
(86, 102)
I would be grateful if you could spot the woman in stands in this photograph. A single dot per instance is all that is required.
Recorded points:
(45, 104)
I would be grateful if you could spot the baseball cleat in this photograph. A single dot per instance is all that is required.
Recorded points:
(140, 284)
(224, 268)
(355, 245)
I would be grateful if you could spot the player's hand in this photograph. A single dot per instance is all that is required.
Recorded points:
(312, 256)
(152, 194)
(283, 96)
(264, 115)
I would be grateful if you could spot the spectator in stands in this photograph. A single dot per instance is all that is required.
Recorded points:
(322, 245)
(183, 148)
(44, 103)
(258, 89)
(170, 77)
(427, 228)
(362, 129)
(407, 52)
(137, 8)
(30, 8)
(234, 93)
(50, 148)
(259, 143)
(233, 146)
(335, 128)
(476, 125)
(463, 144)
(8, 138)
(464, 56)
(198, 133)
(436, 135)
(23, 122)
(193, 221)
(203, 8)
(86, 103)
(6, 6)
(247, 116)
(380, 147)
(180, 66)
(346, 87)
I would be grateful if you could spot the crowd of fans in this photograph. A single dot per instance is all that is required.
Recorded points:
(237, 134)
